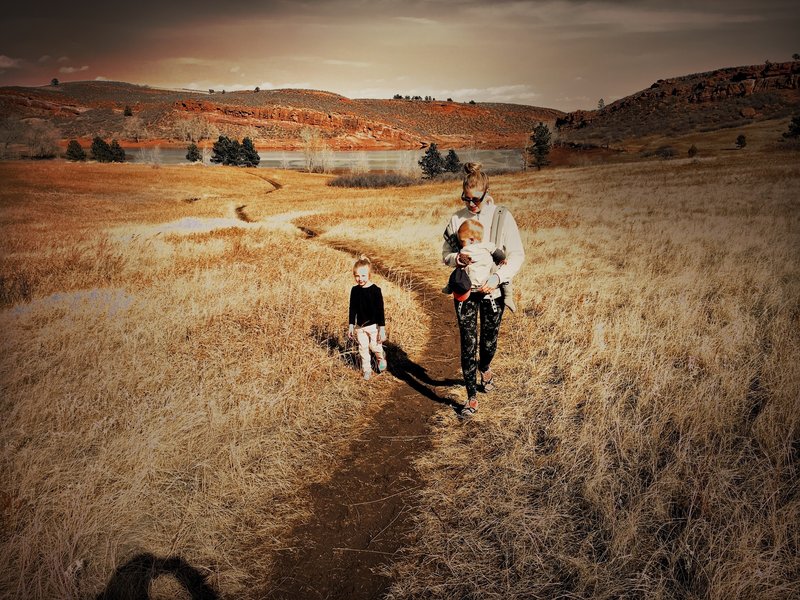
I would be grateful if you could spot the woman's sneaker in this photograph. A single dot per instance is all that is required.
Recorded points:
(487, 381)
(469, 409)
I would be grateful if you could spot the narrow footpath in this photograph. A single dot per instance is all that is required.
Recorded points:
(360, 519)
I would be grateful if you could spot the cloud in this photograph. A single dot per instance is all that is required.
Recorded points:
(6, 62)
(417, 20)
(518, 93)
(588, 18)
(73, 69)
(101, 78)
(515, 94)
(345, 63)
(45, 58)
(237, 87)
(183, 61)
(63, 59)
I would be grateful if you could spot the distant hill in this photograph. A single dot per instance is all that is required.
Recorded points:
(709, 101)
(702, 102)
(274, 118)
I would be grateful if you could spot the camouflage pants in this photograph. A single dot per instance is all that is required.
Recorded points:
(467, 315)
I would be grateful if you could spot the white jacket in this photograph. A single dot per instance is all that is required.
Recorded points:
(511, 243)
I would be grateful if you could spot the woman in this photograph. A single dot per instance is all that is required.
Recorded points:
(488, 301)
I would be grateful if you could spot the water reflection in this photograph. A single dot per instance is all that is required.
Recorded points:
(364, 161)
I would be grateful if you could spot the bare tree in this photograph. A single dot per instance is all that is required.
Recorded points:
(195, 129)
(41, 138)
(312, 146)
(326, 159)
(151, 155)
(360, 164)
(11, 131)
(133, 128)
(407, 164)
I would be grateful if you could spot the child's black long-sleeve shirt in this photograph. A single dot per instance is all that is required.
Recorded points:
(366, 306)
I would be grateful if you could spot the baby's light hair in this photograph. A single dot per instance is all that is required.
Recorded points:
(470, 228)
(363, 261)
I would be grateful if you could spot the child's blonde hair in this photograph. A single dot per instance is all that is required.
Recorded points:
(470, 228)
(362, 261)
(475, 180)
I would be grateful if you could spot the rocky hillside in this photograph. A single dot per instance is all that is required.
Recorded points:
(273, 118)
(702, 102)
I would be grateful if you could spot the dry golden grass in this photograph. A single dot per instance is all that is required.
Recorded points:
(169, 390)
(645, 438)
(167, 384)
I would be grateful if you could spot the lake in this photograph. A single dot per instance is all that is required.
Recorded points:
(404, 161)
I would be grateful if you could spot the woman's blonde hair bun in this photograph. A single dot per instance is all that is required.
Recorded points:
(472, 168)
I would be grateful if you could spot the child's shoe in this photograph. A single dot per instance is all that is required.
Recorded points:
(381, 364)
(508, 296)
(367, 375)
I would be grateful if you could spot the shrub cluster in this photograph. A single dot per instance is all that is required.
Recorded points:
(373, 180)
(230, 152)
(433, 165)
(75, 151)
(664, 152)
(193, 153)
(102, 151)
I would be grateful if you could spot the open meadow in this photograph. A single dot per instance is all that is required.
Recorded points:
(175, 379)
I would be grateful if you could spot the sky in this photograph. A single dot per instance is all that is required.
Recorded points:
(560, 54)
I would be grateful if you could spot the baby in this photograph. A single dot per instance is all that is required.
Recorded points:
(484, 256)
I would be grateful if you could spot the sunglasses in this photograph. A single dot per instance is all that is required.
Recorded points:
(474, 200)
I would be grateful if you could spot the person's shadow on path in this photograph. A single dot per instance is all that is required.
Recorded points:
(416, 376)
(399, 365)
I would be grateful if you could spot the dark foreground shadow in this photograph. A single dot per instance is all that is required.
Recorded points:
(131, 581)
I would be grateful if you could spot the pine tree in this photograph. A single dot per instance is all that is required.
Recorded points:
(794, 128)
(225, 151)
(75, 151)
(249, 155)
(117, 153)
(741, 141)
(193, 153)
(128, 112)
(452, 164)
(431, 163)
(101, 151)
(540, 146)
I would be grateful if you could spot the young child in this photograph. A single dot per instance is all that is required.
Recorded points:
(484, 256)
(367, 323)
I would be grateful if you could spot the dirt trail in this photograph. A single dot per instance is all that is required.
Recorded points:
(361, 517)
